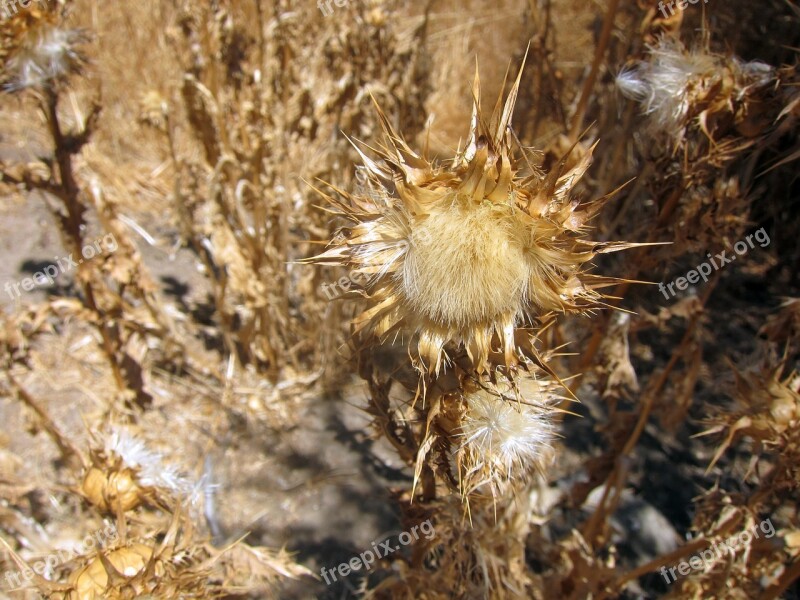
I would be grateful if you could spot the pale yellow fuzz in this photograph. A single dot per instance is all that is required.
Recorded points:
(462, 253)
(464, 265)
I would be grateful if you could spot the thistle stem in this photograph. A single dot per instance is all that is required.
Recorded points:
(588, 85)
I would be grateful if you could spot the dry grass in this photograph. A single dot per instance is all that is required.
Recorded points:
(196, 388)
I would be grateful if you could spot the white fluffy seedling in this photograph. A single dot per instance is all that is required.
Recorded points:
(47, 55)
(504, 438)
(675, 84)
(149, 466)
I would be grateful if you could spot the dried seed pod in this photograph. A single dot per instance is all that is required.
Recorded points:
(768, 407)
(678, 87)
(125, 473)
(108, 492)
(35, 51)
(92, 581)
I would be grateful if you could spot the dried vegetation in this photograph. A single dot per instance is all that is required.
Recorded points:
(569, 431)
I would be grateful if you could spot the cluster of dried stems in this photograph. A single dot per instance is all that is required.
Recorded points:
(476, 320)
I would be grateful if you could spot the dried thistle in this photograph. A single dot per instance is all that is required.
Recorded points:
(466, 251)
(179, 566)
(129, 563)
(125, 473)
(505, 434)
(676, 86)
(37, 51)
(768, 412)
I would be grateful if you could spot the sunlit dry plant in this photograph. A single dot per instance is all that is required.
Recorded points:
(168, 563)
(465, 251)
(126, 473)
(676, 86)
(243, 208)
(505, 434)
(41, 53)
(37, 50)
(180, 565)
(461, 261)
(462, 264)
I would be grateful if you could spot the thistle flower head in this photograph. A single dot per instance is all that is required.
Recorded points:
(465, 251)
(125, 472)
(44, 55)
(505, 433)
(675, 85)
(150, 466)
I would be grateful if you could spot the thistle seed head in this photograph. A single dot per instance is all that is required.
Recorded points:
(125, 473)
(463, 252)
(506, 434)
(45, 56)
(675, 85)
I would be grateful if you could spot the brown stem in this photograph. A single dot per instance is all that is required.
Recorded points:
(73, 222)
(660, 561)
(588, 85)
(68, 450)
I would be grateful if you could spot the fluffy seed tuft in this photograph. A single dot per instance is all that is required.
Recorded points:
(505, 435)
(675, 85)
(46, 56)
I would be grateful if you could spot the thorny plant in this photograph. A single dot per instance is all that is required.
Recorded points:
(121, 476)
(43, 57)
(679, 411)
